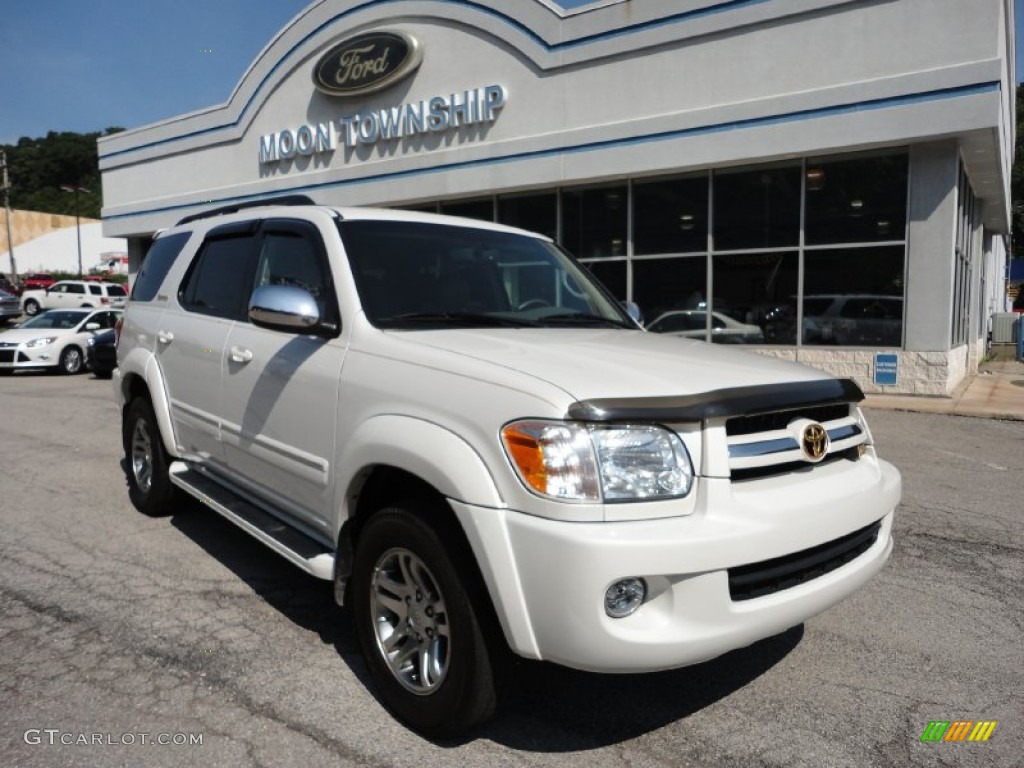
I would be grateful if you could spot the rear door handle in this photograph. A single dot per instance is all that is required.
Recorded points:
(165, 337)
(241, 354)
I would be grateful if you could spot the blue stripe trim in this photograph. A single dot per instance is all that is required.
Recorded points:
(721, 7)
(591, 146)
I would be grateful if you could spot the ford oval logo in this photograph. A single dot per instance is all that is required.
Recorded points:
(366, 63)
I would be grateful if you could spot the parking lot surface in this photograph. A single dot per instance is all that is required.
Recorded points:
(126, 640)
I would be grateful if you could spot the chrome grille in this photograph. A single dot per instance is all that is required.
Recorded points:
(777, 444)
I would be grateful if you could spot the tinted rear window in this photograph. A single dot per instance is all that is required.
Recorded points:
(156, 266)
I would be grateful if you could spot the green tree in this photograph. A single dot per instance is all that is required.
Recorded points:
(38, 168)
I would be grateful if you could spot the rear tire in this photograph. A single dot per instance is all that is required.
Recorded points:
(417, 616)
(149, 484)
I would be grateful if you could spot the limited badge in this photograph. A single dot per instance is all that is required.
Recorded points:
(814, 442)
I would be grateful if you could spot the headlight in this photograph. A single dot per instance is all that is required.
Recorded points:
(588, 462)
(41, 342)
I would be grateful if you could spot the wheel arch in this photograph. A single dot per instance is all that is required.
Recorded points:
(380, 487)
(140, 377)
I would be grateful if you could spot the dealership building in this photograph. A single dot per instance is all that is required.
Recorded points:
(821, 180)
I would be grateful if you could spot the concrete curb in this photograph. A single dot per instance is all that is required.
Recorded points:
(995, 392)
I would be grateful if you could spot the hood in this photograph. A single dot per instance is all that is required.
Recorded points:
(21, 335)
(603, 363)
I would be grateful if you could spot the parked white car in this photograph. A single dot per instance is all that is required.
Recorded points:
(466, 433)
(71, 294)
(692, 324)
(53, 339)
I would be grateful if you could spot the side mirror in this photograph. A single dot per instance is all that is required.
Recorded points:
(284, 308)
(92, 326)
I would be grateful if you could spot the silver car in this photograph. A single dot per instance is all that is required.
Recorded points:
(10, 307)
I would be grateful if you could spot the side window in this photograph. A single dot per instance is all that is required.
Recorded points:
(95, 290)
(74, 288)
(156, 265)
(219, 280)
(292, 253)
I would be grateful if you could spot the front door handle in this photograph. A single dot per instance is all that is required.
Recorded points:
(241, 354)
(165, 337)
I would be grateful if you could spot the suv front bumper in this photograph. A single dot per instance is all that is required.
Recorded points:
(548, 578)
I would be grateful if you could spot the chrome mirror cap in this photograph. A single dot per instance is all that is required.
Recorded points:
(284, 307)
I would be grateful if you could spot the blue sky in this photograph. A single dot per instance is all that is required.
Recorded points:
(85, 65)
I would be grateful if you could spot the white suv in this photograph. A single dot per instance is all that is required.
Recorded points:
(453, 422)
(72, 294)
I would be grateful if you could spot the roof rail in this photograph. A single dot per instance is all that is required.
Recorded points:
(235, 207)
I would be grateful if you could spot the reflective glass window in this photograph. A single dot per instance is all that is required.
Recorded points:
(537, 213)
(757, 208)
(612, 274)
(662, 286)
(670, 216)
(594, 221)
(219, 282)
(854, 297)
(156, 264)
(862, 199)
(755, 298)
(470, 209)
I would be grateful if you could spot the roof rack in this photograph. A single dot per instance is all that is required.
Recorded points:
(235, 207)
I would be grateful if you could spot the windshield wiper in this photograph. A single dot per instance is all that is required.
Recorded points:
(468, 319)
(583, 318)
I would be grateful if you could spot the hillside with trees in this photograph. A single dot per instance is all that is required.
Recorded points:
(38, 168)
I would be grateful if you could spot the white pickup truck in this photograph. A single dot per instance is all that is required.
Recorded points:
(453, 422)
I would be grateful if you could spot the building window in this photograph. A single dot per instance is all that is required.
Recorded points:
(744, 236)
(663, 286)
(966, 221)
(670, 216)
(469, 209)
(594, 221)
(856, 200)
(757, 208)
(612, 275)
(854, 297)
(754, 295)
(535, 212)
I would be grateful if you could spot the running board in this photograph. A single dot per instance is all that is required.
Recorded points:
(289, 542)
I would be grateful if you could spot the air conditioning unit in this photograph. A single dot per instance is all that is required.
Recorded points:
(1002, 327)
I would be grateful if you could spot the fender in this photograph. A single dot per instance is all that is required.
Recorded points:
(431, 452)
(142, 363)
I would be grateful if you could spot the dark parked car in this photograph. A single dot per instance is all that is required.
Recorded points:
(10, 307)
(8, 287)
(101, 354)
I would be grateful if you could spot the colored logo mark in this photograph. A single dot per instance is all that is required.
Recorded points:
(959, 730)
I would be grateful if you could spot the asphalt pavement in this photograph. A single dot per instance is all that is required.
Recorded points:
(119, 631)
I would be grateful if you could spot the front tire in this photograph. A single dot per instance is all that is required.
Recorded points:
(418, 626)
(71, 361)
(31, 307)
(149, 484)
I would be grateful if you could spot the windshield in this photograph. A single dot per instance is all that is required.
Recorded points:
(55, 318)
(414, 275)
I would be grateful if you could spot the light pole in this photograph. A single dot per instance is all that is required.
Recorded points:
(78, 226)
(5, 187)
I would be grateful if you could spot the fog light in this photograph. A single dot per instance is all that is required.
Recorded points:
(624, 597)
